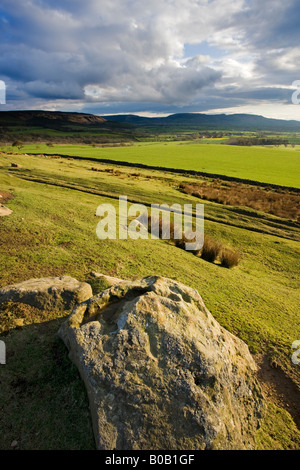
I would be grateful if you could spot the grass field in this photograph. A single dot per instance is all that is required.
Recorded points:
(269, 165)
(52, 231)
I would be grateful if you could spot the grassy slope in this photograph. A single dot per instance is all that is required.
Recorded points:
(52, 232)
(270, 165)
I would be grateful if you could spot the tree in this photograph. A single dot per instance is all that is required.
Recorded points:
(18, 144)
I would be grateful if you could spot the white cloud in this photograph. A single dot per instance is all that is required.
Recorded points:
(281, 111)
(126, 51)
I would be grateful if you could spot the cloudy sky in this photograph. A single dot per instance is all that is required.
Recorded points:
(151, 57)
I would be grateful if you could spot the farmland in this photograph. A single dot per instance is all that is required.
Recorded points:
(280, 166)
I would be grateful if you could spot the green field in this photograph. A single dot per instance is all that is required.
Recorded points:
(52, 231)
(268, 165)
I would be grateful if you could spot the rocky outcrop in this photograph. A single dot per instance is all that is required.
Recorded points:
(48, 292)
(160, 372)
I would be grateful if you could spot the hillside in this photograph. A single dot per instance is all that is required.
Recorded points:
(205, 121)
(33, 118)
(51, 232)
(68, 127)
(63, 127)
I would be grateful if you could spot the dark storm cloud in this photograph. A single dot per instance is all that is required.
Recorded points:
(131, 51)
(271, 24)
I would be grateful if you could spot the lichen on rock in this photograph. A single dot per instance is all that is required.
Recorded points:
(160, 371)
(48, 292)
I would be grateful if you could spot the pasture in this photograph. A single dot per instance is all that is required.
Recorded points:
(276, 165)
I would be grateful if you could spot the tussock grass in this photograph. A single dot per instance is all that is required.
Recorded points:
(281, 203)
(229, 258)
(212, 250)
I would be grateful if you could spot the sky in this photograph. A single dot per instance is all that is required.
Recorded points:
(151, 57)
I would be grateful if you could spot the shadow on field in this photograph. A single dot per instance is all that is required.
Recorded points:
(278, 387)
(44, 405)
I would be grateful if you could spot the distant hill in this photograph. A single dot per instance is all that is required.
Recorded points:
(57, 127)
(191, 121)
(62, 127)
(42, 118)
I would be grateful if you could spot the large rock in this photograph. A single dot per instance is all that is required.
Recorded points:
(48, 292)
(160, 372)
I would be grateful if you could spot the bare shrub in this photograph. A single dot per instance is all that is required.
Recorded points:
(187, 238)
(211, 249)
(180, 243)
(229, 258)
(281, 203)
(162, 231)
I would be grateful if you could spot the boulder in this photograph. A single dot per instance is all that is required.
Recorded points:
(48, 292)
(160, 371)
(4, 211)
